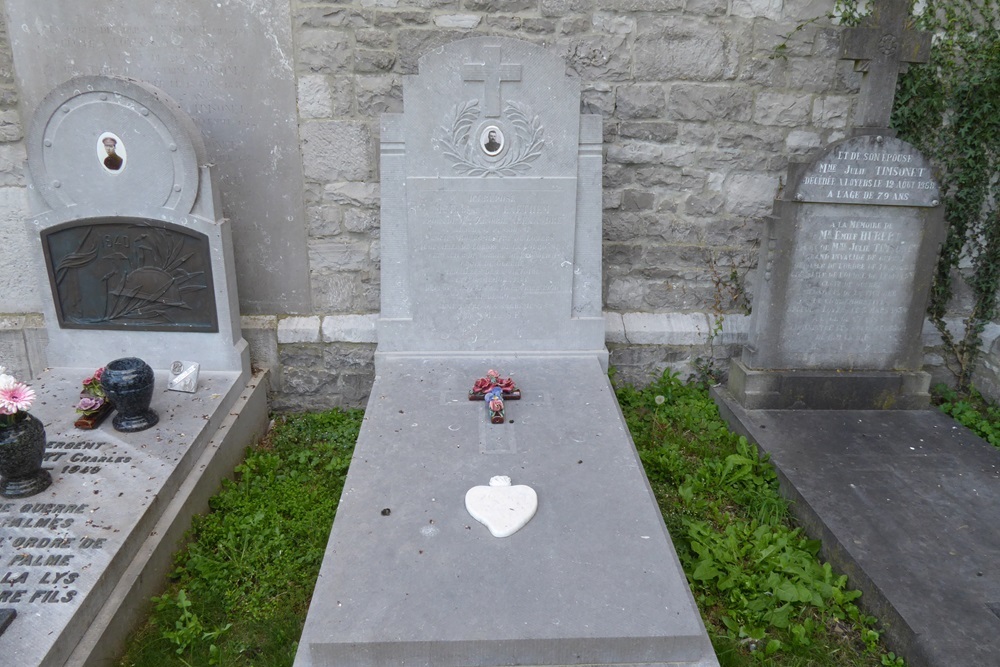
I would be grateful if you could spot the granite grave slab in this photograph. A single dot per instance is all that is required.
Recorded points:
(491, 259)
(904, 502)
(229, 66)
(591, 579)
(70, 557)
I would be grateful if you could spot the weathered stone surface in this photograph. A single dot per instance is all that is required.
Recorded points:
(641, 5)
(640, 101)
(559, 8)
(707, 7)
(774, 38)
(17, 295)
(614, 23)
(648, 131)
(681, 48)
(710, 102)
(787, 109)
(370, 61)
(324, 51)
(800, 142)
(337, 150)
(315, 97)
(378, 94)
(602, 57)
(356, 194)
(769, 9)
(341, 254)
(499, 5)
(326, 16)
(750, 194)
(831, 111)
(466, 21)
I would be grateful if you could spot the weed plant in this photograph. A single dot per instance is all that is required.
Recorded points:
(972, 410)
(239, 592)
(765, 596)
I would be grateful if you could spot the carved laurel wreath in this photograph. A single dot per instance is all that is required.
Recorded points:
(457, 144)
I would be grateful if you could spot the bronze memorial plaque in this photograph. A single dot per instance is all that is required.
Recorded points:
(130, 274)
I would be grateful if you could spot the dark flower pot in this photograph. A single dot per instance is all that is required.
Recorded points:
(128, 384)
(22, 447)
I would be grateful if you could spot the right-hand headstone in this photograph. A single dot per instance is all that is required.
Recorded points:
(848, 256)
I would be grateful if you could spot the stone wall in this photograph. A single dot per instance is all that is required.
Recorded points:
(704, 103)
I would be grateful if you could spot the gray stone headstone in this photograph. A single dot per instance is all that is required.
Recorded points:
(229, 66)
(843, 282)
(491, 206)
(883, 46)
(491, 258)
(137, 255)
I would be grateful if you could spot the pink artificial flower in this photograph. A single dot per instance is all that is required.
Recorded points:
(89, 403)
(5, 411)
(98, 373)
(17, 398)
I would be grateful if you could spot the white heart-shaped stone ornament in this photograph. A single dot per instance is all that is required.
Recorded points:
(502, 508)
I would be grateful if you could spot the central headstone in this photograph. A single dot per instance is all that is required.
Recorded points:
(491, 259)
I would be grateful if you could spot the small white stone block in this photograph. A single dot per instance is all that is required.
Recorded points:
(350, 329)
(734, 329)
(614, 328)
(502, 508)
(666, 328)
(457, 21)
(299, 330)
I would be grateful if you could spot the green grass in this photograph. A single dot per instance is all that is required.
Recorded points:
(971, 410)
(240, 591)
(765, 596)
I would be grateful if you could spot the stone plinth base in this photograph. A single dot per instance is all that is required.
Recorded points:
(756, 389)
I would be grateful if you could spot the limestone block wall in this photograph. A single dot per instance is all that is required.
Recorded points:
(704, 103)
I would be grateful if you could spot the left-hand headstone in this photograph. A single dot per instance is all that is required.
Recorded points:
(139, 262)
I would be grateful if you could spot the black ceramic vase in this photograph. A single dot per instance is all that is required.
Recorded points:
(128, 384)
(22, 447)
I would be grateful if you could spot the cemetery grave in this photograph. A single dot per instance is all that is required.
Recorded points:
(491, 231)
(830, 381)
(139, 264)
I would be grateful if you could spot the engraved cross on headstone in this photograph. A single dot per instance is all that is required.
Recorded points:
(883, 48)
(492, 73)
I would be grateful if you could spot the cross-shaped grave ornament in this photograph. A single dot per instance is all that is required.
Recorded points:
(494, 390)
(883, 46)
(492, 72)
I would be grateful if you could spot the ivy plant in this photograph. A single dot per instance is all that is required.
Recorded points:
(948, 108)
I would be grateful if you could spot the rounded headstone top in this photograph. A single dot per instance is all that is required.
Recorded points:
(114, 143)
(868, 169)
